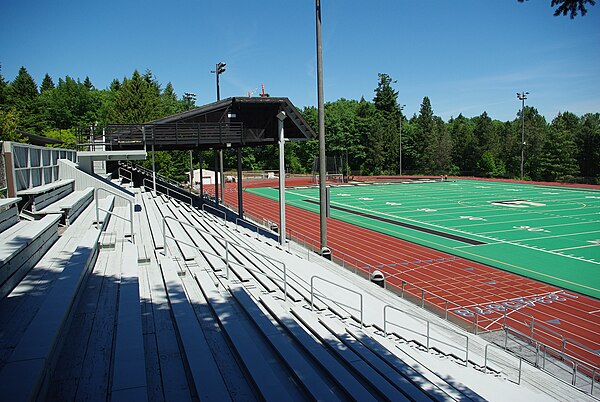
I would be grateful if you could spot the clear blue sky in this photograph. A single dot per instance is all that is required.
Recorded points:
(467, 56)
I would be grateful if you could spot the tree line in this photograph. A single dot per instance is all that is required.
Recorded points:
(363, 135)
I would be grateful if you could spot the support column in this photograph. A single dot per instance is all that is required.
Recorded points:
(239, 184)
(191, 173)
(221, 176)
(201, 181)
(216, 176)
(153, 169)
(281, 117)
(321, 120)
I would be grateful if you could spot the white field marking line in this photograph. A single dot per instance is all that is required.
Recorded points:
(574, 248)
(494, 240)
(544, 226)
(594, 312)
(555, 236)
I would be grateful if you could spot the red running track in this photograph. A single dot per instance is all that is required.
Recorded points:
(473, 292)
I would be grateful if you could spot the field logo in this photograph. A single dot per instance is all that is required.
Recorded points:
(518, 203)
(515, 304)
(473, 218)
(530, 229)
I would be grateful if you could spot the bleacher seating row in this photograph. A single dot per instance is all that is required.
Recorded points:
(208, 310)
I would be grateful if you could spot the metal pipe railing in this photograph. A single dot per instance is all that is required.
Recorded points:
(96, 191)
(312, 294)
(427, 334)
(204, 206)
(168, 190)
(485, 360)
(226, 258)
(575, 363)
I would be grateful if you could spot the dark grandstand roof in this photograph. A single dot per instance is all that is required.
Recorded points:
(231, 122)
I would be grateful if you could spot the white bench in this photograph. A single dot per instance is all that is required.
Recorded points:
(22, 246)
(70, 206)
(42, 196)
(9, 212)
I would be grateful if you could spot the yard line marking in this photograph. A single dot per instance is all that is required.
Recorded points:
(573, 248)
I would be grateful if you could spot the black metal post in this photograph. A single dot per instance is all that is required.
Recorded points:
(321, 119)
(239, 184)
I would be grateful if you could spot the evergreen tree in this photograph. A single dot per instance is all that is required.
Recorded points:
(22, 95)
(115, 85)
(464, 145)
(136, 102)
(588, 145)
(47, 84)
(88, 83)
(559, 151)
(69, 105)
(386, 98)
(425, 137)
(169, 102)
(3, 88)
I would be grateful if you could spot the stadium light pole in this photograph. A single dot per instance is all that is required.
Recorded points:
(321, 118)
(220, 69)
(522, 96)
(400, 161)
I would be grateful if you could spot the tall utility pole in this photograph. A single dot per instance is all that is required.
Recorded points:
(522, 96)
(321, 118)
(400, 161)
(220, 69)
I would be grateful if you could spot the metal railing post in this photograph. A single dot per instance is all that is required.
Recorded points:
(227, 259)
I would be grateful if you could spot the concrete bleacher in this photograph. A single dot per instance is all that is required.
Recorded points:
(215, 315)
(70, 206)
(40, 197)
(36, 313)
(384, 373)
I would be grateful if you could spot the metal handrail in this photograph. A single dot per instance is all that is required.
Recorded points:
(312, 294)
(168, 189)
(149, 172)
(427, 335)
(96, 191)
(217, 210)
(485, 359)
(226, 258)
(547, 332)
(248, 222)
(573, 361)
(122, 169)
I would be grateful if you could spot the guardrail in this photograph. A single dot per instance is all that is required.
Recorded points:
(204, 206)
(576, 365)
(237, 228)
(312, 295)
(485, 360)
(427, 335)
(169, 190)
(122, 176)
(226, 257)
(98, 209)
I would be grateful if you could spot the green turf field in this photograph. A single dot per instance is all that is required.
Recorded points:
(546, 233)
